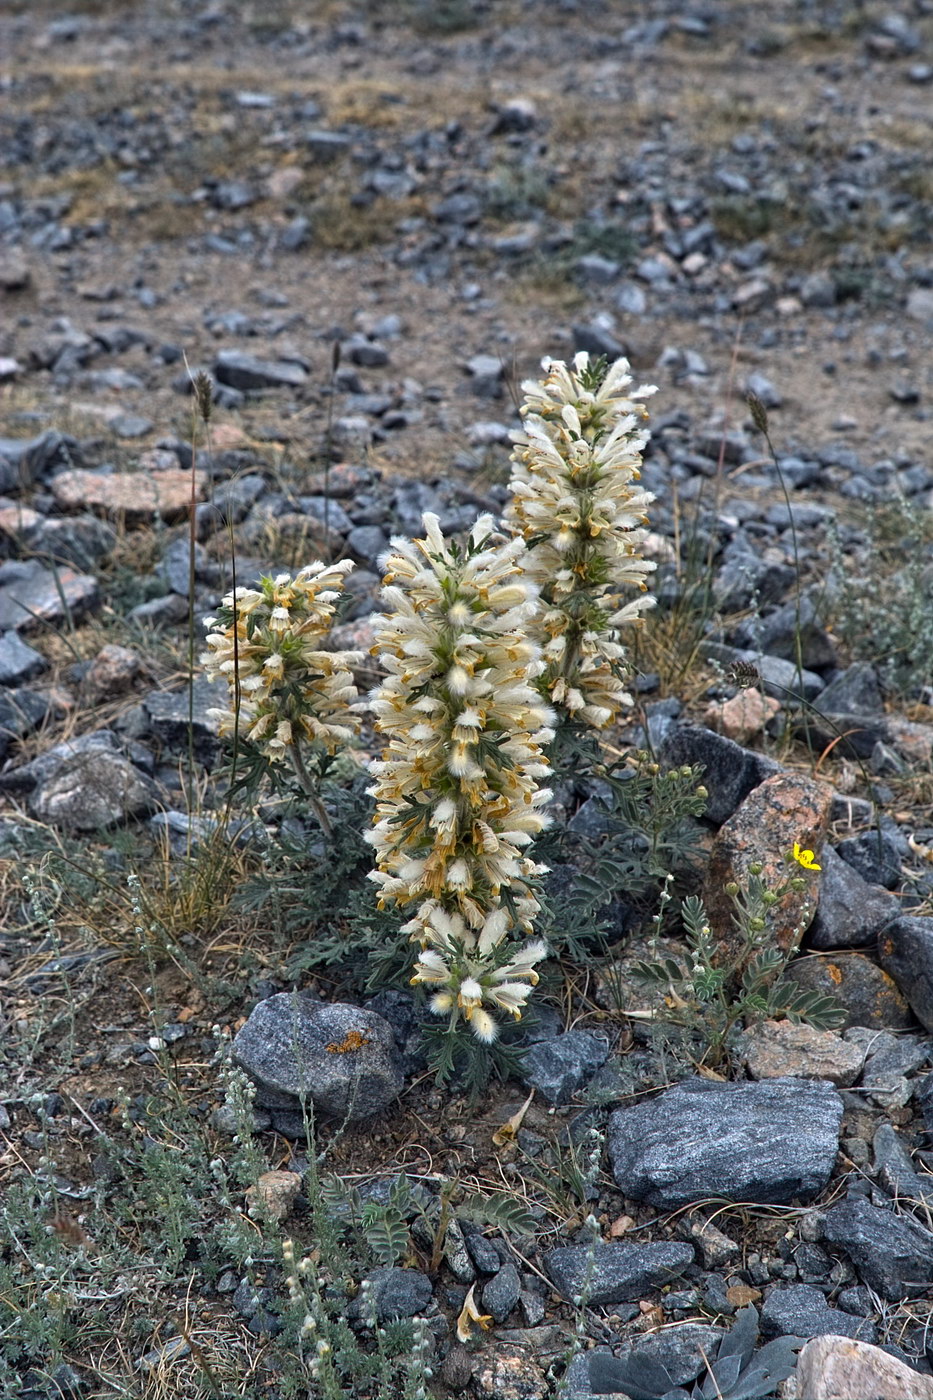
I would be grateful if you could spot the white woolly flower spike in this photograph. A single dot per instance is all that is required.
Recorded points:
(575, 499)
(267, 645)
(457, 799)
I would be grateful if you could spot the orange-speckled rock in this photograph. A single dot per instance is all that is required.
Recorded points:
(775, 1049)
(870, 996)
(133, 497)
(784, 809)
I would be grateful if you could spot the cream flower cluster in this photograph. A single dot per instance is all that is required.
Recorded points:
(285, 687)
(576, 502)
(457, 800)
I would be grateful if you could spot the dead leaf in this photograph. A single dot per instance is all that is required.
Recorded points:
(509, 1129)
(741, 1294)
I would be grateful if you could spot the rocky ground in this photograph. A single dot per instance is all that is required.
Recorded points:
(369, 223)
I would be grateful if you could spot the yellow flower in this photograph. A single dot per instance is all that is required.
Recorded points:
(805, 858)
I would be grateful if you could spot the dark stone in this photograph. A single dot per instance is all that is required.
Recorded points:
(21, 711)
(875, 856)
(501, 1293)
(745, 578)
(615, 1273)
(168, 713)
(22, 460)
(855, 691)
(245, 372)
(868, 994)
(729, 771)
(399, 1292)
(18, 662)
(851, 913)
(558, 1067)
(777, 677)
(291, 1046)
(802, 1311)
(894, 1170)
(93, 790)
(31, 595)
(777, 635)
(770, 1142)
(892, 1253)
(906, 952)
(680, 1350)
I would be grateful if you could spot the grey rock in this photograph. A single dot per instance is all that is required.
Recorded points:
(327, 146)
(680, 1350)
(18, 662)
(777, 635)
(175, 566)
(168, 713)
(365, 352)
(851, 913)
(131, 425)
(329, 511)
(818, 289)
(501, 1293)
(21, 711)
(779, 678)
(79, 541)
(855, 691)
(745, 578)
(874, 854)
(367, 542)
(892, 1253)
(160, 612)
(482, 1250)
(597, 270)
(31, 595)
(397, 1293)
(597, 339)
(769, 1142)
(284, 1047)
(919, 307)
(614, 1273)
(905, 950)
(764, 389)
(893, 1168)
(557, 1068)
(729, 772)
(22, 460)
(802, 1311)
(90, 791)
(239, 370)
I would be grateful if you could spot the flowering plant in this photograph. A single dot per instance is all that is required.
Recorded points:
(288, 691)
(457, 799)
(575, 503)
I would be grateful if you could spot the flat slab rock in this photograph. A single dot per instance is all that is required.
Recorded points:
(615, 1273)
(134, 497)
(31, 595)
(770, 1143)
(340, 1057)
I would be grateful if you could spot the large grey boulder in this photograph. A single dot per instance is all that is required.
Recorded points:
(344, 1060)
(771, 1142)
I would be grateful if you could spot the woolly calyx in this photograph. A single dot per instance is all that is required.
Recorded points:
(576, 502)
(457, 796)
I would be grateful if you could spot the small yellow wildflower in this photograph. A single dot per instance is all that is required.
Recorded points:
(805, 858)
